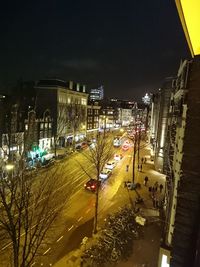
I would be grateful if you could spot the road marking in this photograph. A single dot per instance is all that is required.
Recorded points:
(80, 219)
(87, 211)
(59, 238)
(71, 228)
(6, 246)
(46, 251)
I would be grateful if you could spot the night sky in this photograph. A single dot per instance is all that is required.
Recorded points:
(128, 46)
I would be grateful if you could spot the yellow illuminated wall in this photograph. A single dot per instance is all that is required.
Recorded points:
(189, 12)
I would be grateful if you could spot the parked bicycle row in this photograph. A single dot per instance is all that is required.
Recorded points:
(115, 241)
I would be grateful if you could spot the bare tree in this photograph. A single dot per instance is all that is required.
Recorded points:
(98, 155)
(60, 126)
(28, 208)
(76, 117)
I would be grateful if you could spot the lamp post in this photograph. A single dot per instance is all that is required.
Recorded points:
(104, 123)
(134, 153)
(9, 167)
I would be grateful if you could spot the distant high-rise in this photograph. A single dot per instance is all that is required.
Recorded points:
(97, 94)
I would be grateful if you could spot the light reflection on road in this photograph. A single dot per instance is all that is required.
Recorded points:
(80, 208)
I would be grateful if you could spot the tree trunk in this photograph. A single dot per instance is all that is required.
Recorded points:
(15, 256)
(96, 210)
(55, 146)
(96, 204)
(139, 138)
(134, 154)
(73, 142)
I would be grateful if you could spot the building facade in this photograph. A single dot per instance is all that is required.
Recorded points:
(97, 94)
(68, 105)
(181, 238)
(93, 113)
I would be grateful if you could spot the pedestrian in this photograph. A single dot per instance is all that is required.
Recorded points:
(154, 202)
(156, 186)
(145, 159)
(142, 159)
(127, 167)
(150, 189)
(153, 191)
(146, 180)
(140, 167)
(161, 188)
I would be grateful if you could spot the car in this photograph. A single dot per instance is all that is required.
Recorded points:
(78, 147)
(110, 165)
(84, 145)
(118, 157)
(30, 169)
(105, 173)
(125, 147)
(91, 185)
(92, 146)
(89, 142)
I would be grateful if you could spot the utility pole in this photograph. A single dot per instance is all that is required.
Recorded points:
(138, 143)
(134, 152)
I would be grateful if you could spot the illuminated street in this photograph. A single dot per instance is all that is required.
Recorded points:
(99, 134)
(80, 209)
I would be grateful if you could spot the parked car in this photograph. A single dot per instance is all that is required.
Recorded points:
(30, 169)
(105, 173)
(78, 147)
(110, 165)
(91, 185)
(84, 145)
(125, 147)
(118, 157)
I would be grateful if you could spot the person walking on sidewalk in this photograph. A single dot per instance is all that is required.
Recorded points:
(141, 167)
(138, 167)
(127, 167)
(146, 179)
(154, 202)
(161, 188)
(156, 186)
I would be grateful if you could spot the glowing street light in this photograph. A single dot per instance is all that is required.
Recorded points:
(189, 15)
(146, 99)
(9, 167)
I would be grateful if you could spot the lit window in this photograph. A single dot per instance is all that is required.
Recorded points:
(26, 127)
(83, 101)
(41, 126)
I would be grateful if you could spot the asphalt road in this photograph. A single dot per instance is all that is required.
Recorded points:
(76, 220)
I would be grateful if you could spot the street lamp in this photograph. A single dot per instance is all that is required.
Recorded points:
(104, 119)
(9, 167)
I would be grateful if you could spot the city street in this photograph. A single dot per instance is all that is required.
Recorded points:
(146, 249)
(76, 220)
(66, 234)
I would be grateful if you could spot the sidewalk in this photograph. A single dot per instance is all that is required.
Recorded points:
(145, 250)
